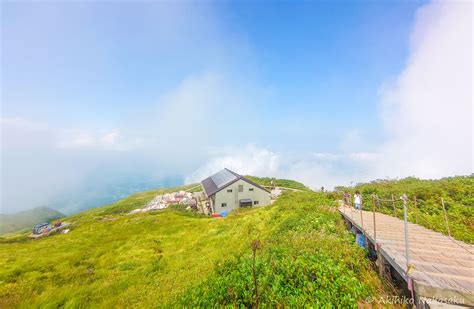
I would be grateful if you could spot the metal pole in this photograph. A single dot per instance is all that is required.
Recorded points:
(416, 210)
(446, 217)
(350, 205)
(344, 198)
(343, 203)
(373, 215)
(393, 204)
(407, 246)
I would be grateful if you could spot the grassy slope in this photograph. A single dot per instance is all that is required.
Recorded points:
(26, 219)
(458, 194)
(286, 183)
(111, 259)
(307, 258)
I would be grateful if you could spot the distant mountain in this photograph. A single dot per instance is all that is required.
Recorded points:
(28, 218)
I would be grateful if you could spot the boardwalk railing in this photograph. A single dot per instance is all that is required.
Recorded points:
(377, 206)
(399, 205)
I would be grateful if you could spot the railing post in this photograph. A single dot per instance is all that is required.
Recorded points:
(350, 205)
(446, 217)
(393, 205)
(373, 214)
(416, 209)
(343, 203)
(407, 246)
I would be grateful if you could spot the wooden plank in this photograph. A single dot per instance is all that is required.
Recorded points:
(441, 266)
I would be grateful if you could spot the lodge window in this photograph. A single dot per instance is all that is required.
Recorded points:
(229, 191)
(241, 188)
(250, 189)
(255, 202)
(224, 205)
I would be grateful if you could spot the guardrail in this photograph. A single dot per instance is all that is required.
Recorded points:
(395, 204)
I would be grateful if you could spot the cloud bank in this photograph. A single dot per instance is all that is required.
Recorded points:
(313, 169)
(427, 111)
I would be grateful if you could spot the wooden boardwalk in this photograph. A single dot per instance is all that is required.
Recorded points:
(440, 267)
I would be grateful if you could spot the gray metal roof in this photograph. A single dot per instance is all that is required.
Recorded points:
(222, 179)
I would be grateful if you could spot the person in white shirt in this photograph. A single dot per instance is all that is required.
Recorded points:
(357, 200)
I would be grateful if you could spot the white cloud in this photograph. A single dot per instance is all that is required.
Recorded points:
(353, 140)
(32, 171)
(247, 160)
(313, 169)
(110, 138)
(97, 140)
(427, 112)
(15, 121)
(327, 156)
(202, 111)
(363, 156)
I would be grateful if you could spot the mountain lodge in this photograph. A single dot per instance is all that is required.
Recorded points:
(227, 190)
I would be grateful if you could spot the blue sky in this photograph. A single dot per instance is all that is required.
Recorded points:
(181, 88)
(72, 63)
(89, 64)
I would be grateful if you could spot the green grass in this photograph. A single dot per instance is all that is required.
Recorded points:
(307, 258)
(173, 257)
(195, 188)
(287, 183)
(457, 192)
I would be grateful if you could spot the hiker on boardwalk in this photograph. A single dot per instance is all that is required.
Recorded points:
(358, 200)
(346, 197)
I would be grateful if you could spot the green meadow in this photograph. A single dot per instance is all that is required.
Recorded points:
(302, 255)
(285, 183)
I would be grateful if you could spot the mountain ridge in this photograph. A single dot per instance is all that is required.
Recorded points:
(24, 219)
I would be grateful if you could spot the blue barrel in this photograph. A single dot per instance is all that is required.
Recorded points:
(224, 214)
(360, 240)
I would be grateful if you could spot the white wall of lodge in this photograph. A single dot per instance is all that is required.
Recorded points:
(228, 198)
